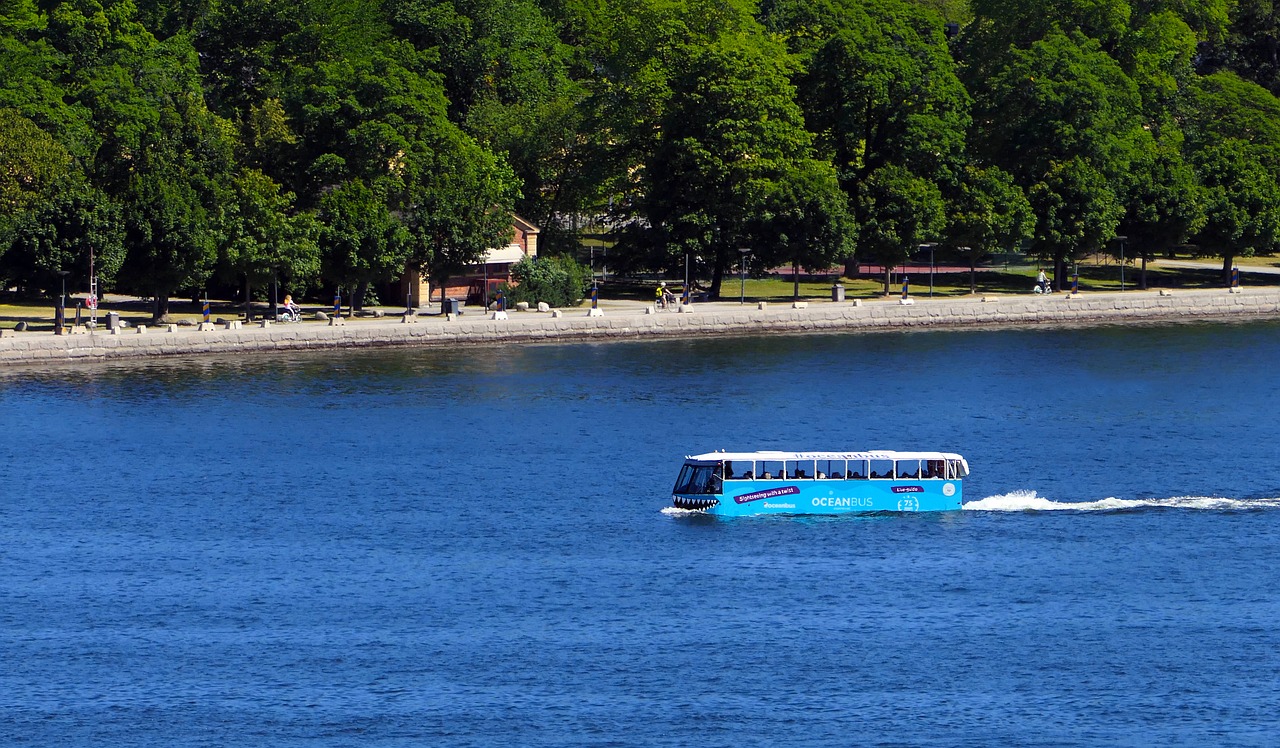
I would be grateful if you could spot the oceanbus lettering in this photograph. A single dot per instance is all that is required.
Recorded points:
(840, 501)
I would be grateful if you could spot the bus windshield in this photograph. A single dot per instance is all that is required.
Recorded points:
(698, 479)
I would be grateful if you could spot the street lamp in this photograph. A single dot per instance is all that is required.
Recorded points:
(1121, 238)
(742, 274)
(931, 246)
(60, 325)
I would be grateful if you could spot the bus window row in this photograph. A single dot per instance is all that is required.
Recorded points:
(842, 469)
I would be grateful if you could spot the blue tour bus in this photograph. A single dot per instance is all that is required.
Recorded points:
(743, 483)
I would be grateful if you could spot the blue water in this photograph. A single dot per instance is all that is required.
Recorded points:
(412, 548)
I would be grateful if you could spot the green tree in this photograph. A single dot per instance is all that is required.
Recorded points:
(715, 134)
(1242, 202)
(986, 212)
(457, 206)
(31, 164)
(362, 241)
(1233, 142)
(1076, 212)
(804, 219)
(900, 212)
(60, 233)
(265, 239)
(1063, 119)
(883, 90)
(1163, 205)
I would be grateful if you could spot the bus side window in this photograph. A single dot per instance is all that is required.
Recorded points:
(800, 469)
(857, 470)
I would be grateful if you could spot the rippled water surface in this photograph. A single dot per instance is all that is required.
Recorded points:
(470, 548)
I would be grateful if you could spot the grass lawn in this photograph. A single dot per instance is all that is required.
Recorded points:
(1011, 279)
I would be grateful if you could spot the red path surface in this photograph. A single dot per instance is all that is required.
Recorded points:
(874, 270)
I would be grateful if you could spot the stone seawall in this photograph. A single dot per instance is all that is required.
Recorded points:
(631, 323)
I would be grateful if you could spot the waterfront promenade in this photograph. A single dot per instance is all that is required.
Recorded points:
(629, 320)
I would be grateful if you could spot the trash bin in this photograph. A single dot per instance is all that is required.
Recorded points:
(837, 292)
(452, 306)
(113, 320)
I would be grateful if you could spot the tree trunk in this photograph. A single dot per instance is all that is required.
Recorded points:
(248, 303)
(1059, 266)
(1143, 275)
(161, 315)
(717, 279)
(1227, 262)
(357, 296)
(795, 281)
(973, 274)
(443, 283)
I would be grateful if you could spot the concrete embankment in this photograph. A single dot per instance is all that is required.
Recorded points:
(628, 321)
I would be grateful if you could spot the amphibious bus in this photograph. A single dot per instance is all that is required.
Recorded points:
(743, 483)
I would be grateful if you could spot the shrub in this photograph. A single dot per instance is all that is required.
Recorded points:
(559, 281)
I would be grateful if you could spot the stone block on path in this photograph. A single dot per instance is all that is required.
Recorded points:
(337, 320)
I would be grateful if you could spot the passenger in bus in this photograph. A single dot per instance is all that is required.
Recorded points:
(837, 476)
(799, 474)
(748, 475)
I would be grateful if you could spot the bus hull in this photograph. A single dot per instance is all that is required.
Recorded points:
(755, 497)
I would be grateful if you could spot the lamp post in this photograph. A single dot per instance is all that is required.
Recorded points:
(1121, 238)
(595, 285)
(742, 275)
(931, 246)
(60, 324)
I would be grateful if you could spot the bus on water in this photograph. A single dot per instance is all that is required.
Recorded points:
(745, 483)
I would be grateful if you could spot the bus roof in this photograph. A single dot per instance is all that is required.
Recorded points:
(776, 455)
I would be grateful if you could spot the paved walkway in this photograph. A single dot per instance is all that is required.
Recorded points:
(635, 320)
(1198, 265)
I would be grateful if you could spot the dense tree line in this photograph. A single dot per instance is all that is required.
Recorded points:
(333, 143)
